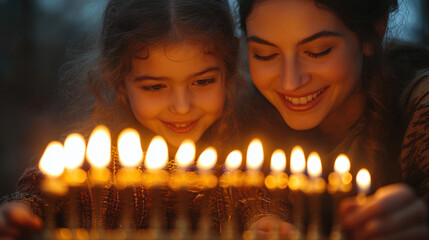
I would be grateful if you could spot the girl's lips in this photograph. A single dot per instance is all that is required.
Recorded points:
(182, 126)
(303, 102)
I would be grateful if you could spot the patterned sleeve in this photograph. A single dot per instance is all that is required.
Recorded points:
(254, 203)
(28, 192)
(415, 151)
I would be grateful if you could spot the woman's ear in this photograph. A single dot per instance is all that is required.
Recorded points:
(380, 26)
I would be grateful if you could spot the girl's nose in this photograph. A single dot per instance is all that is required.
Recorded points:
(292, 77)
(181, 102)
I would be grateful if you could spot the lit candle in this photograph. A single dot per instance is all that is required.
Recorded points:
(155, 161)
(339, 183)
(98, 155)
(181, 181)
(74, 176)
(130, 156)
(363, 180)
(315, 188)
(52, 166)
(254, 160)
(277, 179)
(230, 181)
(205, 163)
(232, 177)
(297, 181)
(340, 179)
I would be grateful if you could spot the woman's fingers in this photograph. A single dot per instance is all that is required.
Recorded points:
(407, 217)
(385, 201)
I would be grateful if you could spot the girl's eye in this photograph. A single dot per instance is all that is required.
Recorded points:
(153, 88)
(264, 58)
(204, 82)
(319, 54)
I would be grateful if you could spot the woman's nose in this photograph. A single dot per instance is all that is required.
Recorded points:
(292, 76)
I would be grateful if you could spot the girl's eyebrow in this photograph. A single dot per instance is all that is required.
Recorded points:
(148, 77)
(313, 37)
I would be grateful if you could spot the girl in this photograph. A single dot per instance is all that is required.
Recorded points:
(321, 65)
(163, 67)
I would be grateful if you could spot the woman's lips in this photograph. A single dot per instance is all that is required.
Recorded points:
(303, 102)
(182, 126)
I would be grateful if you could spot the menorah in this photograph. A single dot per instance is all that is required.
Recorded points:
(61, 163)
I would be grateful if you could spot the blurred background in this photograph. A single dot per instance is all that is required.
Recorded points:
(34, 38)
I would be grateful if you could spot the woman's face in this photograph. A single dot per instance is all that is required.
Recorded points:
(177, 92)
(305, 61)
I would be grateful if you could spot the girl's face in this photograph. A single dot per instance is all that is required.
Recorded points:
(305, 61)
(177, 92)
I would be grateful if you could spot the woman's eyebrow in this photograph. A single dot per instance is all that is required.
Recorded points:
(260, 40)
(318, 35)
(313, 37)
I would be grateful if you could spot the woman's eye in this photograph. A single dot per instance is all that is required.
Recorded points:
(204, 82)
(153, 88)
(319, 54)
(264, 58)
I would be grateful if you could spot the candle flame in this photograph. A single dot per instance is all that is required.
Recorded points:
(74, 151)
(255, 155)
(278, 161)
(363, 180)
(314, 165)
(186, 153)
(52, 161)
(342, 164)
(233, 160)
(129, 148)
(207, 159)
(98, 149)
(157, 154)
(297, 160)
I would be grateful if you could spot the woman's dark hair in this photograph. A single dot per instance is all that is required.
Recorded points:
(132, 26)
(367, 18)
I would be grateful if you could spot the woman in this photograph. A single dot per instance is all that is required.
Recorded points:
(321, 65)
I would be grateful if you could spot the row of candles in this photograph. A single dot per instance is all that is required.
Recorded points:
(61, 164)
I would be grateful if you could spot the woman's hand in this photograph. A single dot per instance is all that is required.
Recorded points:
(17, 221)
(393, 212)
(265, 227)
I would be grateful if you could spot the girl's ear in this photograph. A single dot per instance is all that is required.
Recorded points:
(380, 26)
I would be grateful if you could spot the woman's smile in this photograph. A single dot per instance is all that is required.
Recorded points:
(303, 102)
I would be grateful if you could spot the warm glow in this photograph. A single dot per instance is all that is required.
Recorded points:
(278, 161)
(52, 161)
(255, 155)
(157, 154)
(342, 164)
(186, 154)
(297, 160)
(74, 151)
(98, 150)
(314, 165)
(233, 160)
(207, 159)
(129, 148)
(363, 180)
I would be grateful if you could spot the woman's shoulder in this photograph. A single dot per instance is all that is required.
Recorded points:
(416, 93)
